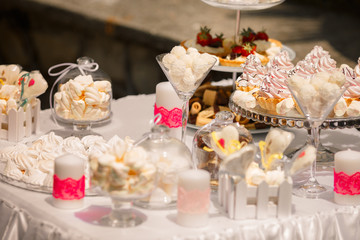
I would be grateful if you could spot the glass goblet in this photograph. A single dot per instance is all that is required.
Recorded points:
(316, 102)
(124, 180)
(185, 80)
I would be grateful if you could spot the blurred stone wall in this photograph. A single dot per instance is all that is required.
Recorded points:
(38, 37)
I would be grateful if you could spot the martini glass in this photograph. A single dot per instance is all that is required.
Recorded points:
(316, 104)
(185, 80)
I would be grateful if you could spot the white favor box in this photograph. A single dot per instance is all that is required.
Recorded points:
(18, 124)
(241, 201)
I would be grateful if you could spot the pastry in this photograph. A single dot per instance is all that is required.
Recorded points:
(205, 42)
(201, 113)
(231, 53)
(253, 74)
(273, 90)
(251, 42)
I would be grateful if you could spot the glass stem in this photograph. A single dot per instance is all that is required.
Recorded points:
(315, 138)
(185, 114)
(117, 204)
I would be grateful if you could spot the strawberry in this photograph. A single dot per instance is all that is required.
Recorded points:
(236, 49)
(248, 35)
(262, 35)
(243, 50)
(248, 49)
(235, 52)
(204, 37)
(217, 41)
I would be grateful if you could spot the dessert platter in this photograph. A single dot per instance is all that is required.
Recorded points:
(314, 94)
(211, 98)
(263, 94)
(233, 50)
(31, 165)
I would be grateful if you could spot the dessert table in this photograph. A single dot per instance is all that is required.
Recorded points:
(27, 214)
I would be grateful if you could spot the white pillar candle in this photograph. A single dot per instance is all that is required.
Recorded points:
(193, 198)
(169, 105)
(69, 182)
(348, 162)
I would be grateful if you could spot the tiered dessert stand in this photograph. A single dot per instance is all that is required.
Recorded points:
(245, 5)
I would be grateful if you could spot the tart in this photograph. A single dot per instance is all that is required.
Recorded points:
(222, 47)
(238, 60)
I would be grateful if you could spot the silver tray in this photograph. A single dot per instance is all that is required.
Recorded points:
(260, 115)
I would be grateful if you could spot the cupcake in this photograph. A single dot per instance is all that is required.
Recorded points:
(272, 91)
(282, 61)
(253, 74)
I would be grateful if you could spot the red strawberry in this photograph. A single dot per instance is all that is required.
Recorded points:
(248, 35)
(262, 36)
(204, 37)
(217, 41)
(236, 49)
(235, 52)
(248, 49)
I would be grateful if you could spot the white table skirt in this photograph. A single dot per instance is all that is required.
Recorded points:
(30, 215)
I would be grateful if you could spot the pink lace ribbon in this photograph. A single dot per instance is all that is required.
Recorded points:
(69, 189)
(170, 118)
(345, 184)
(195, 201)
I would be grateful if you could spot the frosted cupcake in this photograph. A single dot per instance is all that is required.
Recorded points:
(282, 61)
(272, 91)
(253, 75)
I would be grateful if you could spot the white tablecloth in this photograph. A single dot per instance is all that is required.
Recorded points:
(30, 215)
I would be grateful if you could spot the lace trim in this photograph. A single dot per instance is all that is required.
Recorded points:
(171, 118)
(345, 184)
(69, 189)
(195, 201)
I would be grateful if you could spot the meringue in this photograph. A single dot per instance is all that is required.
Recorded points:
(186, 68)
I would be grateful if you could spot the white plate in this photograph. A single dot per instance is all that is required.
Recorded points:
(245, 5)
(252, 131)
(220, 68)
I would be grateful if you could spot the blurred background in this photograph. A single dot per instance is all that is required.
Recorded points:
(124, 36)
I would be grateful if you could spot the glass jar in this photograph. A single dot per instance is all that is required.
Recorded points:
(84, 95)
(204, 156)
(172, 157)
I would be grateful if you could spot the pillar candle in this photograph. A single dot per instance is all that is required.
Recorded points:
(193, 198)
(347, 177)
(69, 182)
(169, 105)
